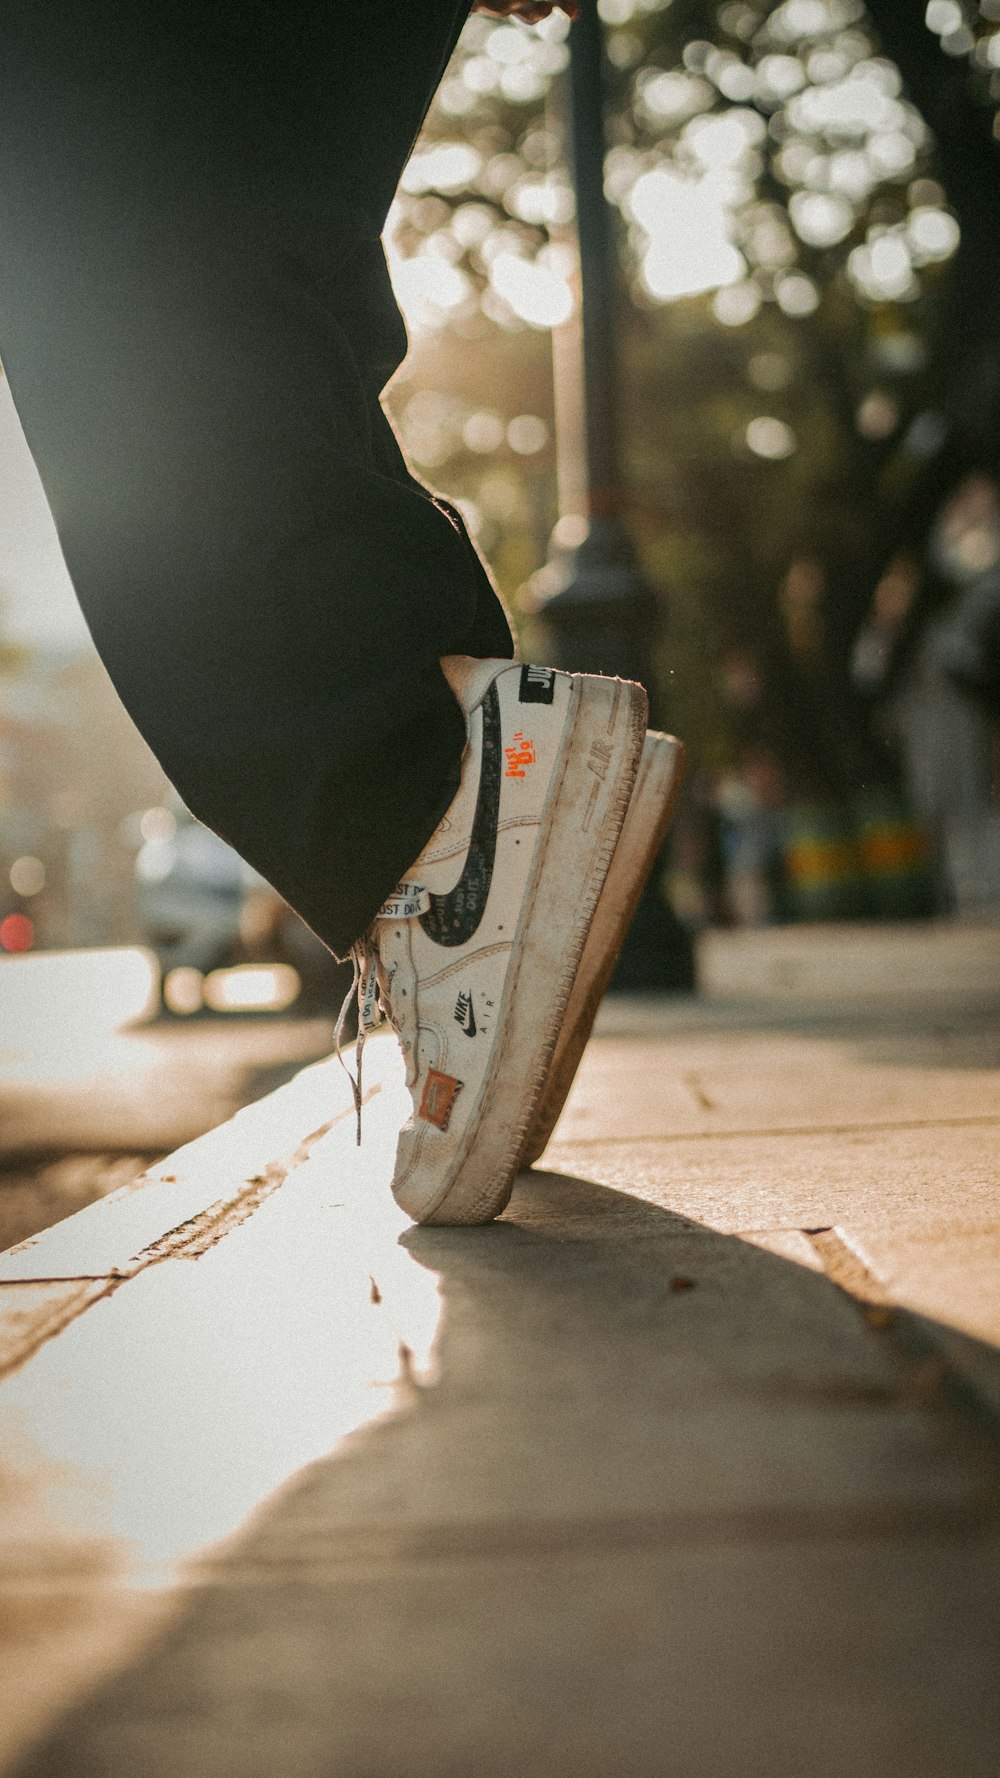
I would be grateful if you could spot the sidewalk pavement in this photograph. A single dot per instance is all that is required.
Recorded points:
(81, 1112)
(689, 1467)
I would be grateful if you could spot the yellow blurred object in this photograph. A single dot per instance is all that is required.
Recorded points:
(183, 991)
(252, 987)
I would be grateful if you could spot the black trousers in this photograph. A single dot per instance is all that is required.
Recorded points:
(197, 322)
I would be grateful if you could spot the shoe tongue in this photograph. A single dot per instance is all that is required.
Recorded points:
(406, 902)
(470, 678)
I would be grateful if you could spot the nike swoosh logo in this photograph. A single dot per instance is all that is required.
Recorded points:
(469, 1022)
(452, 919)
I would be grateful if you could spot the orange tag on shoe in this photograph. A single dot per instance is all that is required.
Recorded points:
(521, 755)
(438, 1099)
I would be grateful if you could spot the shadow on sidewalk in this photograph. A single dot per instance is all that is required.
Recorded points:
(665, 1506)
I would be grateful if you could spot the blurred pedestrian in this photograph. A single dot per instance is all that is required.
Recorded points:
(937, 674)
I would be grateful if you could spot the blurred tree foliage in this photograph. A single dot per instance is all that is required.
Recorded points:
(804, 373)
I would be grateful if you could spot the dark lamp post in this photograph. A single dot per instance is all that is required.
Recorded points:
(598, 609)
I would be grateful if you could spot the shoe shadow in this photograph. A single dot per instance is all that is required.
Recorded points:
(668, 1505)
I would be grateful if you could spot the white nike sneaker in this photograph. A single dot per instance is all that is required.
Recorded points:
(653, 798)
(473, 958)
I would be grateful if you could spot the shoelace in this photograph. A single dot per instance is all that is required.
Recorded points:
(407, 901)
(364, 985)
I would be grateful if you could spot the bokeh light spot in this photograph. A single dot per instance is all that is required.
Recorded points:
(877, 416)
(770, 438)
(671, 97)
(820, 218)
(769, 370)
(427, 288)
(933, 234)
(17, 933)
(252, 987)
(447, 166)
(690, 250)
(483, 432)
(527, 434)
(737, 304)
(943, 16)
(537, 295)
(27, 876)
(157, 824)
(183, 991)
(796, 295)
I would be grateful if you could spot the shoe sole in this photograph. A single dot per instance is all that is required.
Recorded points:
(583, 818)
(658, 781)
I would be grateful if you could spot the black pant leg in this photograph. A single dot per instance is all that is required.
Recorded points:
(187, 194)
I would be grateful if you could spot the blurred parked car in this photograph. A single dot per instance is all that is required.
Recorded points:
(225, 939)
